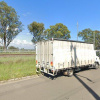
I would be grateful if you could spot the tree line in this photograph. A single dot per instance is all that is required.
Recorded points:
(11, 26)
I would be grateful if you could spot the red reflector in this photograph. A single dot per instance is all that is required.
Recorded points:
(51, 63)
(52, 71)
(36, 61)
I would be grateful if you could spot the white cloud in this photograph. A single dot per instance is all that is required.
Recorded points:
(27, 33)
(22, 44)
(17, 41)
(26, 14)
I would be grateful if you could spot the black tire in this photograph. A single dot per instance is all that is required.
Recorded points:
(52, 78)
(70, 72)
(96, 66)
(42, 73)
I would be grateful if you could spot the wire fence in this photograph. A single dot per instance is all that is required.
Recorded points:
(20, 51)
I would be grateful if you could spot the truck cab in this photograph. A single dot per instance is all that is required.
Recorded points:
(97, 58)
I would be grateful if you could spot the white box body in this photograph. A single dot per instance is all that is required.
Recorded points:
(61, 54)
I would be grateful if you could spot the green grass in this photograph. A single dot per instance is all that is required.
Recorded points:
(15, 67)
(17, 52)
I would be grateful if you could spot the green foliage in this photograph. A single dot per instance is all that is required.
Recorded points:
(12, 47)
(10, 25)
(36, 29)
(88, 36)
(57, 31)
(1, 47)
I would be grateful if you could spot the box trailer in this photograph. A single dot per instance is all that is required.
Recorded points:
(59, 55)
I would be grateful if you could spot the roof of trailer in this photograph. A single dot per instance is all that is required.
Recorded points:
(60, 39)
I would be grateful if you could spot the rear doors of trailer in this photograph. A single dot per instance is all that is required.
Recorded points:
(44, 55)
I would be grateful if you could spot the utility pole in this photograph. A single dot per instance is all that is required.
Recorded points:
(94, 39)
(77, 31)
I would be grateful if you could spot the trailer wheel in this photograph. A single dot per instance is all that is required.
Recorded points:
(70, 72)
(65, 73)
(96, 66)
(42, 73)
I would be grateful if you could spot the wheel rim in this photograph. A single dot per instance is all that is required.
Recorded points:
(70, 72)
(96, 66)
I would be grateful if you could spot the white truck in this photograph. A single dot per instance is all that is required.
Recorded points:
(60, 55)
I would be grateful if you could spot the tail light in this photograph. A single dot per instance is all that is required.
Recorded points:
(36, 61)
(51, 63)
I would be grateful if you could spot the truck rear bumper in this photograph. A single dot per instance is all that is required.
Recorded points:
(46, 70)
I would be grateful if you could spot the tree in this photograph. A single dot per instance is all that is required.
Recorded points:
(36, 29)
(58, 31)
(1, 47)
(97, 39)
(88, 36)
(12, 47)
(10, 26)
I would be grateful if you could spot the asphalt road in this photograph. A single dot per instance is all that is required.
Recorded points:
(84, 85)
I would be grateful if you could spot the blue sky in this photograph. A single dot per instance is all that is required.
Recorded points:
(50, 12)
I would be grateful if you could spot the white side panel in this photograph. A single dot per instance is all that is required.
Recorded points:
(61, 54)
(71, 54)
(64, 54)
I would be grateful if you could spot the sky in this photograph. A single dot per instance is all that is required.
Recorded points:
(50, 12)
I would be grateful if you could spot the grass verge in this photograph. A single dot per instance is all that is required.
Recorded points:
(15, 67)
(18, 52)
